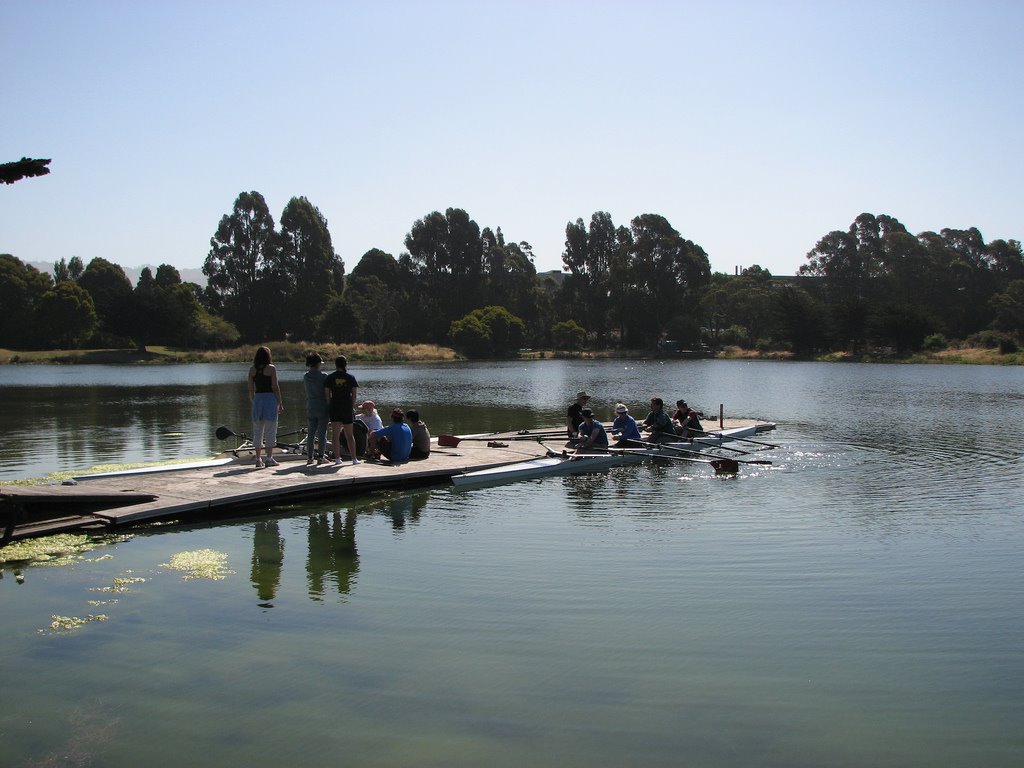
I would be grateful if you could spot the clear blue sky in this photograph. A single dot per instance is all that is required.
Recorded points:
(753, 127)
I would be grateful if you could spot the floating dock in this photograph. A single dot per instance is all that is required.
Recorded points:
(217, 488)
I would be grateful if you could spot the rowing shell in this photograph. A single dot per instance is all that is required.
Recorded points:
(547, 465)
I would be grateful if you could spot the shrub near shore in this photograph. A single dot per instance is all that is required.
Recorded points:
(295, 352)
(284, 352)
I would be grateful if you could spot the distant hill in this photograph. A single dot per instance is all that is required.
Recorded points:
(187, 275)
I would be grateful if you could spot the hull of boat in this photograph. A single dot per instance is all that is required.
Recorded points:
(548, 465)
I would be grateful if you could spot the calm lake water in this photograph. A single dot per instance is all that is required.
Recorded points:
(858, 603)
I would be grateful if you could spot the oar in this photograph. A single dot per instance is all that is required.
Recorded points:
(721, 466)
(672, 447)
(451, 441)
(654, 455)
(223, 433)
(742, 440)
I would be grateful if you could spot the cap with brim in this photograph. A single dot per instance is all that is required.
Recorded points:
(581, 394)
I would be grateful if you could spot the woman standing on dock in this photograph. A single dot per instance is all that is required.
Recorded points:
(340, 390)
(267, 405)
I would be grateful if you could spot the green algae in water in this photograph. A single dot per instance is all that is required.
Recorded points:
(59, 549)
(68, 623)
(120, 584)
(200, 564)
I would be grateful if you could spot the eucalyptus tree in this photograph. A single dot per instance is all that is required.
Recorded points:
(311, 273)
(375, 289)
(21, 288)
(111, 292)
(744, 303)
(1008, 306)
(1007, 260)
(445, 252)
(243, 253)
(971, 265)
(68, 269)
(379, 264)
(511, 277)
(167, 310)
(374, 305)
(66, 317)
(661, 279)
(590, 252)
(849, 263)
(802, 320)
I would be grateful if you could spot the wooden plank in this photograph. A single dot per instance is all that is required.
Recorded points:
(71, 494)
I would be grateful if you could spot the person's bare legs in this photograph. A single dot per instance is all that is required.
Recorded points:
(336, 427)
(350, 441)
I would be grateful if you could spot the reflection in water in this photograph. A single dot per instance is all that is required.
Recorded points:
(267, 559)
(406, 508)
(332, 553)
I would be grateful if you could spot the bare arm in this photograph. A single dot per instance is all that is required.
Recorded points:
(275, 388)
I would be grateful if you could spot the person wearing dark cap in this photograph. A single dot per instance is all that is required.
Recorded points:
(574, 415)
(591, 432)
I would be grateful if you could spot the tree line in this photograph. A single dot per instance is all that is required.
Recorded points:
(639, 286)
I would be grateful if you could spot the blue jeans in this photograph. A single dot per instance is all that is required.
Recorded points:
(316, 427)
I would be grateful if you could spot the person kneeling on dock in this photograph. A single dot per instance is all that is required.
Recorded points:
(394, 442)
(420, 436)
(591, 434)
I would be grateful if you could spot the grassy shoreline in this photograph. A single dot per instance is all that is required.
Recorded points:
(295, 352)
(284, 352)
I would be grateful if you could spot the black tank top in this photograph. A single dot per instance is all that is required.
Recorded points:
(262, 381)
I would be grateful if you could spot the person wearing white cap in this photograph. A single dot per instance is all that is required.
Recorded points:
(624, 427)
(574, 416)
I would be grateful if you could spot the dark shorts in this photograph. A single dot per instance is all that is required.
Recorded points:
(342, 415)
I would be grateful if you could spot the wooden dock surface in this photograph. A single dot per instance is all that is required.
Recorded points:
(111, 500)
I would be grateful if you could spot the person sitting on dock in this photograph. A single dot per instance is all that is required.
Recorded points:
(420, 436)
(394, 442)
(591, 433)
(624, 427)
(574, 415)
(658, 425)
(369, 416)
(686, 420)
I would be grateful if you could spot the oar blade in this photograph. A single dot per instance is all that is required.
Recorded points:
(448, 441)
(223, 433)
(725, 466)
